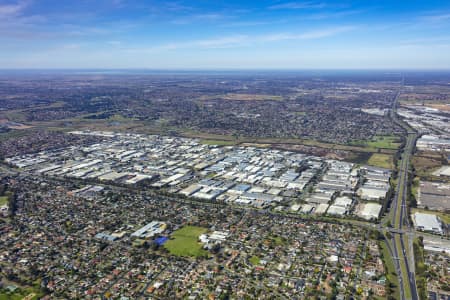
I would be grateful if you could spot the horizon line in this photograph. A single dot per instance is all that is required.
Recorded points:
(227, 69)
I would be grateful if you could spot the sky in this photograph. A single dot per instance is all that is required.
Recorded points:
(207, 34)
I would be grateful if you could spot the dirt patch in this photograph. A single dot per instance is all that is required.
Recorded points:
(442, 107)
(425, 164)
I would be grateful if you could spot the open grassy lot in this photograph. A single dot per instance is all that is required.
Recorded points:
(380, 141)
(254, 260)
(313, 143)
(3, 200)
(381, 160)
(386, 142)
(18, 296)
(267, 142)
(184, 242)
(28, 293)
(15, 115)
(415, 187)
(426, 163)
(120, 118)
(218, 142)
(426, 96)
(13, 134)
(360, 158)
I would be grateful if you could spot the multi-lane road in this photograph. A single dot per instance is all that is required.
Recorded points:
(400, 240)
(400, 244)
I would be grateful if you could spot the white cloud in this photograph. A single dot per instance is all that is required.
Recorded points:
(212, 17)
(298, 5)
(12, 10)
(309, 35)
(248, 23)
(426, 40)
(436, 18)
(114, 43)
(71, 46)
(336, 14)
(223, 42)
(243, 40)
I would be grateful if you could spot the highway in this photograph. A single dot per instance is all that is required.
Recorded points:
(401, 241)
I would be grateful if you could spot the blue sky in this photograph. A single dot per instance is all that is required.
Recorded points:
(201, 34)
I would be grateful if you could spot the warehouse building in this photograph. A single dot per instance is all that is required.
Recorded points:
(368, 211)
(371, 194)
(150, 230)
(321, 209)
(427, 222)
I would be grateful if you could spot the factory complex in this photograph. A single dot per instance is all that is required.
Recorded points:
(244, 176)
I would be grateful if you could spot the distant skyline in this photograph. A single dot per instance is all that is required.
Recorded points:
(111, 34)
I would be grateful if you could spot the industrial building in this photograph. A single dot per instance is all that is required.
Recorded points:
(368, 211)
(150, 230)
(252, 176)
(427, 222)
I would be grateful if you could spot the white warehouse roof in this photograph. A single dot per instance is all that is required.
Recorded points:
(427, 222)
(370, 211)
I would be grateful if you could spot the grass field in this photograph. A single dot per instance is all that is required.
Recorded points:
(426, 164)
(120, 118)
(381, 160)
(254, 260)
(184, 242)
(278, 240)
(13, 134)
(360, 158)
(380, 141)
(415, 187)
(18, 296)
(28, 293)
(3, 200)
(267, 142)
(218, 142)
(386, 142)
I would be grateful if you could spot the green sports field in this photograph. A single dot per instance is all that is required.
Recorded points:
(184, 242)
